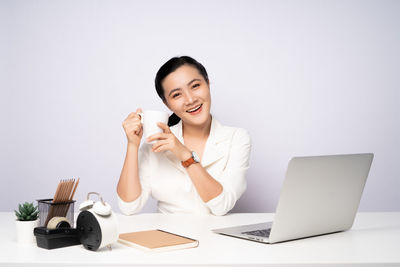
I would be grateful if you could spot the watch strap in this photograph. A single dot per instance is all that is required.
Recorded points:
(189, 161)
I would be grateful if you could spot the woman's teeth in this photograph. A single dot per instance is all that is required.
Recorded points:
(195, 109)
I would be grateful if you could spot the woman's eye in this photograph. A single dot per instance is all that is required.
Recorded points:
(176, 95)
(196, 85)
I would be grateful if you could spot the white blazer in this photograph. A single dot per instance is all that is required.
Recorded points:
(226, 159)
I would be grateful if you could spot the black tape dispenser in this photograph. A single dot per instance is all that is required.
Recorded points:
(57, 234)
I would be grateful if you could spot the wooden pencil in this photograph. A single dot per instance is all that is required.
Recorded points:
(62, 198)
(71, 196)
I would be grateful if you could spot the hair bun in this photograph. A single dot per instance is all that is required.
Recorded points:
(173, 120)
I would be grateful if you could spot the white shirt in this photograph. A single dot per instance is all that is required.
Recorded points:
(225, 157)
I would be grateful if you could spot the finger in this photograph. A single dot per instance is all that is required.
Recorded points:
(133, 129)
(135, 120)
(160, 149)
(139, 110)
(139, 132)
(164, 127)
(131, 123)
(157, 146)
(157, 136)
(134, 114)
(131, 115)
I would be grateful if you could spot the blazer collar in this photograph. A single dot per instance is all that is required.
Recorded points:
(216, 146)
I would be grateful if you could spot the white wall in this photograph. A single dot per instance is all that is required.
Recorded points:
(304, 77)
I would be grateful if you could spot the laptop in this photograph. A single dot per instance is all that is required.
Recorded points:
(320, 195)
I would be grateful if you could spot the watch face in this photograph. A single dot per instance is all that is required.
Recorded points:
(195, 157)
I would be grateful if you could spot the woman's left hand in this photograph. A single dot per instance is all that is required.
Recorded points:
(168, 141)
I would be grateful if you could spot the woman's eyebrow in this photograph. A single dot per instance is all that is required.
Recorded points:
(193, 81)
(173, 90)
(176, 89)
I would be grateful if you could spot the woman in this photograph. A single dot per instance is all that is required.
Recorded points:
(196, 165)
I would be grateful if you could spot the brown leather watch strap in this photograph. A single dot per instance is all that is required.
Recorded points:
(188, 162)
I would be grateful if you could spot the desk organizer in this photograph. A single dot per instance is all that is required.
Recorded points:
(48, 209)
(62, 234)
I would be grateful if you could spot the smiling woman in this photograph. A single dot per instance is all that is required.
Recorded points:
(189, 70)
(196, 165)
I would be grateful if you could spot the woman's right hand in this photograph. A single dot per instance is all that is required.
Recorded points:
(133, 128)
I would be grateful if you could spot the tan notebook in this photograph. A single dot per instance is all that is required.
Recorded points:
(157, 240)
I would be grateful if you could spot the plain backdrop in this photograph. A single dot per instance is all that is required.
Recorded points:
(303, 77)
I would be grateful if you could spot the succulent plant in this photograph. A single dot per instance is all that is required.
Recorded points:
(27, 212)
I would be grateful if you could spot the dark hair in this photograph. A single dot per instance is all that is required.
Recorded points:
(170, 66)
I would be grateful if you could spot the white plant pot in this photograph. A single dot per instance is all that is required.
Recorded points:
(25, 231)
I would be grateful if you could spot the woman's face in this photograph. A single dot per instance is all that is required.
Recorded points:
(187, 94)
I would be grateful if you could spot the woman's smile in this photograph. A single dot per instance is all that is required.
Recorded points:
(196, 110)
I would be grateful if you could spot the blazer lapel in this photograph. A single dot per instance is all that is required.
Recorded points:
(217, 145)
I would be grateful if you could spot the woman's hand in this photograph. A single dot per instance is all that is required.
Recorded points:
(133, 128)
(168, 141)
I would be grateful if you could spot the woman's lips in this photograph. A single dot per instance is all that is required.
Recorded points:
(197, 111)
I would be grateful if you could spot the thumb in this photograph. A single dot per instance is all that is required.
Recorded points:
(139, 110)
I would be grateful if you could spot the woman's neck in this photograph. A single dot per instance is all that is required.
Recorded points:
(197, 131)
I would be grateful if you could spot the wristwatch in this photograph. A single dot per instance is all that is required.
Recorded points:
(193, 159)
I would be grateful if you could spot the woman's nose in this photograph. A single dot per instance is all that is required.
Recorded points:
(189, 98)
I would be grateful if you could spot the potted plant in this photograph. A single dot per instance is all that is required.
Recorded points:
(27, 220)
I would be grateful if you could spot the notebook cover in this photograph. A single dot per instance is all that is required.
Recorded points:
(157, 240)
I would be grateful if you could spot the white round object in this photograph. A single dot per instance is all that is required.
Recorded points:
(109, 229)
(88, 204)
(97, 231)
(102, 209)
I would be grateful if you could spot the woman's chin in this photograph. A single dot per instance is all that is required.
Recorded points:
(198, 120)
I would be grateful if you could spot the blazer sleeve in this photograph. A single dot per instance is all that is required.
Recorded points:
(135, 206)
(233, 178)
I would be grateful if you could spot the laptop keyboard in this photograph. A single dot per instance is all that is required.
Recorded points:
(261, 232)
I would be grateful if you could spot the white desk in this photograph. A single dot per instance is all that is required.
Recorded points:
(374, 240)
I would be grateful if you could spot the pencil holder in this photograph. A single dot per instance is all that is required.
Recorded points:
(49, 209)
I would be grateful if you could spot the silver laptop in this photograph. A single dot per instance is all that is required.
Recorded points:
(320, 195)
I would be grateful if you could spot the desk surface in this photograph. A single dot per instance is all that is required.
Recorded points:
(374, 239)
